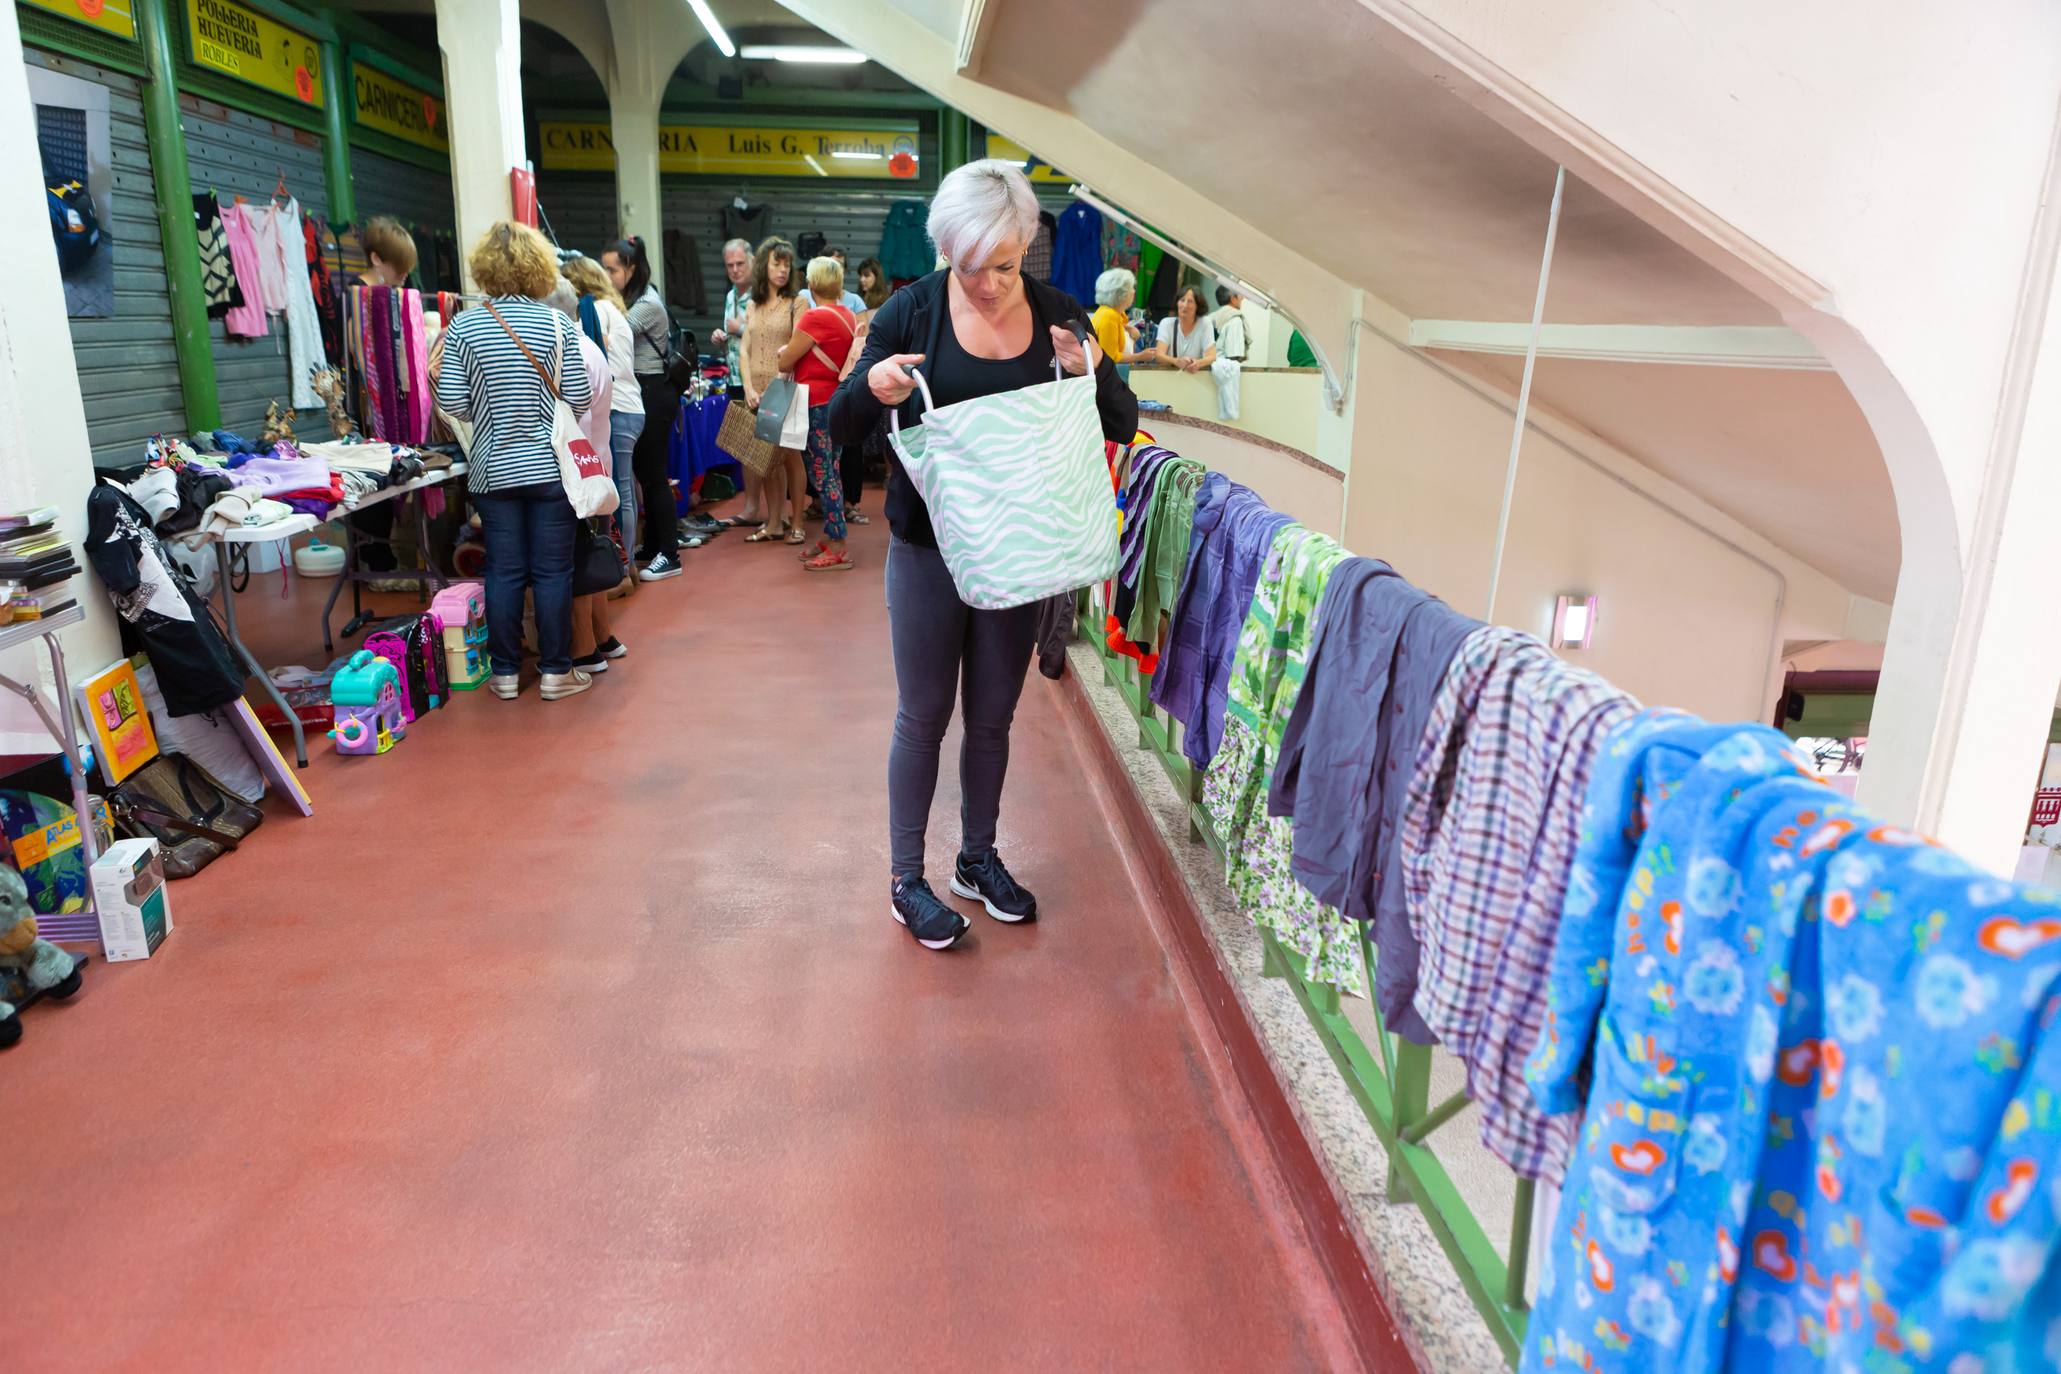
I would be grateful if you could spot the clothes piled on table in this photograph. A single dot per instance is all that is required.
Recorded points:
(1680, 971)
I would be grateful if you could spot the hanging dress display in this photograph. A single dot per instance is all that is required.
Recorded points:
(248, 320)
(283, 268)
(217, 270)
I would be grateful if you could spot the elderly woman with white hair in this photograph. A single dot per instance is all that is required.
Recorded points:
(1115, 291)
(976, 327)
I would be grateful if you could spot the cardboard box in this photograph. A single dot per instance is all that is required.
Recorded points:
(129, 895)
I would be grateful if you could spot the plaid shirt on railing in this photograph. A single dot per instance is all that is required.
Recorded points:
(1487, 837)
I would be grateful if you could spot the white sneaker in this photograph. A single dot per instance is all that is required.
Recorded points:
(570, 684)
(507, 687)
(659, 569)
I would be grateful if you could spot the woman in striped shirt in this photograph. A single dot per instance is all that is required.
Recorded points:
(494, 374)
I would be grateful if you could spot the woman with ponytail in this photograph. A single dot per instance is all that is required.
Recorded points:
(651, 329)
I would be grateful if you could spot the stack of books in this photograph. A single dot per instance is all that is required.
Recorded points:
(36, 565)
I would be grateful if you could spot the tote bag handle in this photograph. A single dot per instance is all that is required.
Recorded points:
(894, 416)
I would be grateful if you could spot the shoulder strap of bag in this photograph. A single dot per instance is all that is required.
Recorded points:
(526, 350)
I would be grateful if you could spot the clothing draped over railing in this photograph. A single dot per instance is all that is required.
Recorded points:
(1685, 978)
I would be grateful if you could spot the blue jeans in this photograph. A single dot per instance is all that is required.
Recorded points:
(529, 548)
(622, 442)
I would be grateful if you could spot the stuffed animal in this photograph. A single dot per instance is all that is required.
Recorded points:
(29, 966)
(329, 385)
(278, 425)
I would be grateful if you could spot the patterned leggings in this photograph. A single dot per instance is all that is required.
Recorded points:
(823, 472)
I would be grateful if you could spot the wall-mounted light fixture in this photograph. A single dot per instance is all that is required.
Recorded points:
(1574, 622)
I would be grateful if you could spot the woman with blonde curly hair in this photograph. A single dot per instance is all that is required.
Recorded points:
(501, 365)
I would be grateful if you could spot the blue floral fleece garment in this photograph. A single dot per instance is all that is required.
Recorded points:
(1823, 1126)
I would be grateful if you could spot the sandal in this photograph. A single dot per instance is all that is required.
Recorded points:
(764, 535)
(853, 517)
(827, 561)
(795, 536)
(821, 546)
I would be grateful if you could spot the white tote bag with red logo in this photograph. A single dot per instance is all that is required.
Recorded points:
(587, 476)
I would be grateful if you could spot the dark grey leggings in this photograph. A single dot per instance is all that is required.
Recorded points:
(943, 647)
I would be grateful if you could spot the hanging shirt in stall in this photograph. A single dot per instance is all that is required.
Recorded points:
(247, 320)
(1488, 834)
(1380, 654)
(1266, 676)
(905, 250)
(684, 286)
(217, 270)
(1229, 541)
(1772, 982)
(282, 266)
(1077, 251)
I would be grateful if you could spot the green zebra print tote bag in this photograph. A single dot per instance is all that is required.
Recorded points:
(1018, 489)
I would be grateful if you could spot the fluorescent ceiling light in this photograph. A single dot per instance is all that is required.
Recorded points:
(715, 29)
(787, 52)
(817, 165)
(860, 157)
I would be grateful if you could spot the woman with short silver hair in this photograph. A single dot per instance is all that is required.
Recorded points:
(1115, 291)
(977, 327)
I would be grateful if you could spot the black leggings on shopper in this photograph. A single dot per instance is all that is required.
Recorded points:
(648, 461)
(944, 648)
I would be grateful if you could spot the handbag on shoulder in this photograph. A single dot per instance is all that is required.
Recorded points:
(178, 803)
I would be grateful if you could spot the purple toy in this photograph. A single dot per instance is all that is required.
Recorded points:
(366, 697)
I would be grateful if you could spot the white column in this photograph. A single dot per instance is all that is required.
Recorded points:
(482, 45)
(42, 418)
(633, 128)
(1969, 681)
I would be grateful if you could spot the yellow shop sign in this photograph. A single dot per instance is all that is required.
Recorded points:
(394, 107)
(726, 150)
(1035, 167)
(109, 16)
(229, 38)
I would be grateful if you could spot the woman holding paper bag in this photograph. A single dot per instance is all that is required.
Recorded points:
(978, 327)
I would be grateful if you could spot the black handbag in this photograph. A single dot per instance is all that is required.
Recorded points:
(178, 803)
(597, 562)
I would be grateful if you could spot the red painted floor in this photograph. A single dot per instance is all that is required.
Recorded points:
(576, 1035)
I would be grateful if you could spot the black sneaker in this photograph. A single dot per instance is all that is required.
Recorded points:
(984, 880)
(596, 662)
(611, 648)
(698, 523)
(935, 925)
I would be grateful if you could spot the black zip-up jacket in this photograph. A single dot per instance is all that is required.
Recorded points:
(913, 321)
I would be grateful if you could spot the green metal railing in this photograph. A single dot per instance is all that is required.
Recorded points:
(1391, 1081)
